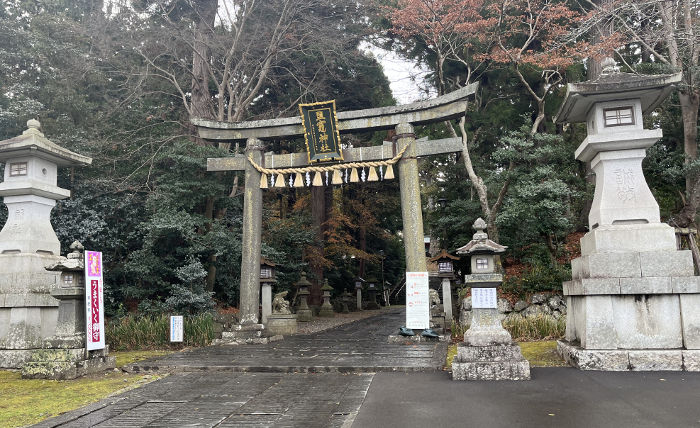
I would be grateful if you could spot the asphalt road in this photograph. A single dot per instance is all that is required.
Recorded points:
(555, 397)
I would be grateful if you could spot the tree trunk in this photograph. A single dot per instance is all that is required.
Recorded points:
(690, 102)
(201, 102)
(318, 214)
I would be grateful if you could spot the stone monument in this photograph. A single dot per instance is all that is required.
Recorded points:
(633, 302)
(28, 243)
(488, 352)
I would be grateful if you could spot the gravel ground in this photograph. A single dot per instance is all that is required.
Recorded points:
(321, 324)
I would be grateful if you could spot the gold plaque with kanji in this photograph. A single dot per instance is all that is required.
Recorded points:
(321, 131)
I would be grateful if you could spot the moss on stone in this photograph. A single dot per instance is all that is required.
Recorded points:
(539, 354)
(542, 354)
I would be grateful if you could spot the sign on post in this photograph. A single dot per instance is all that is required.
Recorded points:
(484, 298)
(94, 301)
(176, 328)
(417, 300)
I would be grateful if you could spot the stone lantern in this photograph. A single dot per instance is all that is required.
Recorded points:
(358, 287)
(326, 308)
(488, 351)
(68, 357)
(445, 264)
(372, 294)
(267, 278)
(28, 243)
(633, 302)
(303, 312)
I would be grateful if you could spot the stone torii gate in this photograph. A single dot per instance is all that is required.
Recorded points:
(401, 118)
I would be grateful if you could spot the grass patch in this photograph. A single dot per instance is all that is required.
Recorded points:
(541, 327)
(28, 401)
(128, 357)
(451, 354)
(134, 332)
(542, 354)
(539, 354)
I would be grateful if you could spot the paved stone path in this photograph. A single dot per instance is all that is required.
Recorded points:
(318, 380)
(229, 400)
(358, 347)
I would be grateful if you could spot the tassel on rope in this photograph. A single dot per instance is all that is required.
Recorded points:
(318, 181)
(354, 177)
(280, 180)
(389, 173)
(299, 180)
(337, 178)
(372, 176)
(263, 181)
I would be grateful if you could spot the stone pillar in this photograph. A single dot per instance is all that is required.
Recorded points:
(266, 301)
(411, 207)
(359, 299)
(252, 231)
(447, 301)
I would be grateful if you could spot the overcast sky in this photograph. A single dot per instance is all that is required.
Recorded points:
(404, 77)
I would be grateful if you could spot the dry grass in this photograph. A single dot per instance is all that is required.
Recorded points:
(541, 327)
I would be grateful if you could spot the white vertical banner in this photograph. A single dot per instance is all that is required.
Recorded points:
(417, 300)
(176, 328)
(94, 301)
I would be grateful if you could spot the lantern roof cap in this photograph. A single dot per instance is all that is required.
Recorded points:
(303, 282)
(325, 285)
(32, 142)
(73, 262)
(266, 262)
(613, 85)
(443, 255)
(480, 243)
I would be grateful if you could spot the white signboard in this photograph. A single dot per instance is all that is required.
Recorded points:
(176, 325)
(94, 301)
(417, 300)
(484, 298)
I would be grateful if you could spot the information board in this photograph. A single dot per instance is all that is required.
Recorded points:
(94, 301)
(417, 300)
(484, 298)
(176, 327)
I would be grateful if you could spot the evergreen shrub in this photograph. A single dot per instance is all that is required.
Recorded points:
(539, 277)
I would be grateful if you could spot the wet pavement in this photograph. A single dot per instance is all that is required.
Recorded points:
(316, 380)
(357, 347)
(323, 380)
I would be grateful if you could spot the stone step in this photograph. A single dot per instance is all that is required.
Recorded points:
(491, 370)
(488, 353)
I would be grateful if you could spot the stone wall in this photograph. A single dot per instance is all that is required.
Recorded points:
(550, 304)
